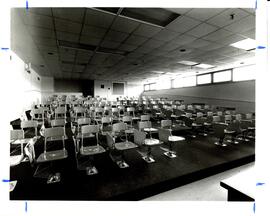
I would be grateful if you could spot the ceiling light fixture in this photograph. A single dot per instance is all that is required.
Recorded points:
(204, 66)
(189, 63)
(246, 44)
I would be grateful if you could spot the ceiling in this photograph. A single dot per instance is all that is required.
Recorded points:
(128, 44)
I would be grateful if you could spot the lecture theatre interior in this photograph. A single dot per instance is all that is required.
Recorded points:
(132, 104)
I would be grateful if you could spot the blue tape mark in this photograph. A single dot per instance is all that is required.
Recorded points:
(254, 207)
(259, 184)
(27, 5)
(261, 47)
(25, 207)
(256, 5)
(5, 180)
(4, 48)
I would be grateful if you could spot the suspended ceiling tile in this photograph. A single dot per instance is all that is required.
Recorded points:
(218, 35)
(203, 14)
(37, 20)
(109, 44)
(147, 30)
(243, 25)
(123, 24)
(40, 32)
(180, 11)
(127, 47)
(71, 14)
(165, 35)
(231, 39)
(116, 36)
(225, 17)
(67, 36)
(98, 19)
(89, 40)
(66, 26)
(250, 33)
(182, 24)
(153, 43)
(202, 30)
(93, 31)
(136, 40)
(183, 39)
(40, 11)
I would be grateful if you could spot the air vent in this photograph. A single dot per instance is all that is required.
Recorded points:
(76, 46)
(111, 51)
(156, 16)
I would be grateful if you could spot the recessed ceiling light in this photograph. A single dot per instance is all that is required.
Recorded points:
(190, 63)
(41, 65)
(158, 72)
(182, 50)
(50, 53)
(204, 66)
(246, 44)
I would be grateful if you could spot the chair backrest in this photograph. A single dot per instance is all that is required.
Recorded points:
(228, 117)
(145, 117)
(216, 118)
(110, 141)
(139, 137)
(60, 110)
(84, 121)
(115, 110)
(238, 117)
(58, 123)
(219, 113)
(88, 129)
(16, 134)
(166, 123)
(163, 134)
(117, 127)
(144, 124)
(218, 129)
(106, 120)
(199, 114)
(234, 126)
(249, 116)
(189, 115)
(127, 119)
(55, 132)
(209, 113)
(29, 124)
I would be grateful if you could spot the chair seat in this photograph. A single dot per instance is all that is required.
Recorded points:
(19, 141)
(52, 156)
(125, 146)
(152, 142)
(56, 138)
(150, 129)
(174, 116)
(207, 124)
(176, 138)
(196, 125)
(79, 136)
(16, 159)
(130, 131)
(91, 150)
(229, 131)
(136, 118)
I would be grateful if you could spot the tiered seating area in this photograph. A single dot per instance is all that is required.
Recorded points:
(93, 149)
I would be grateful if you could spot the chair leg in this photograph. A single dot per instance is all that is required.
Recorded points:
(220, 142)
(121, 163)
(148, 157)
(170, 153)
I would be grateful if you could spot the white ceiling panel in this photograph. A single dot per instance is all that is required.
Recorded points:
(202, 30)
(243, 25)
(125, 25)
(116, 36)
(203, 14)
(166, 35)
(182, 24)
(147, 30)
(66, 26)
(136, 40)
(217, 35)
(99, 19)
(89, 40)
(67, 36)
(225, 18)
(71, 14)
(127, 47)
(93, 31)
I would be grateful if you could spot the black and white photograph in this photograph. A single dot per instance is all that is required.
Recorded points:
(124, 103)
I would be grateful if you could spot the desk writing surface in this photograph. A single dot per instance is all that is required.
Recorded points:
(243, 182)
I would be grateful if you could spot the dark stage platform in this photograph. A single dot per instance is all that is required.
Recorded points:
(197, 158)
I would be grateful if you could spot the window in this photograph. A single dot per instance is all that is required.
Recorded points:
(189, 81)
(146, 87)
(204, 79)
(178, 82)
(152, 86)
(244, 73)
(163, 84)
(223, 76)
